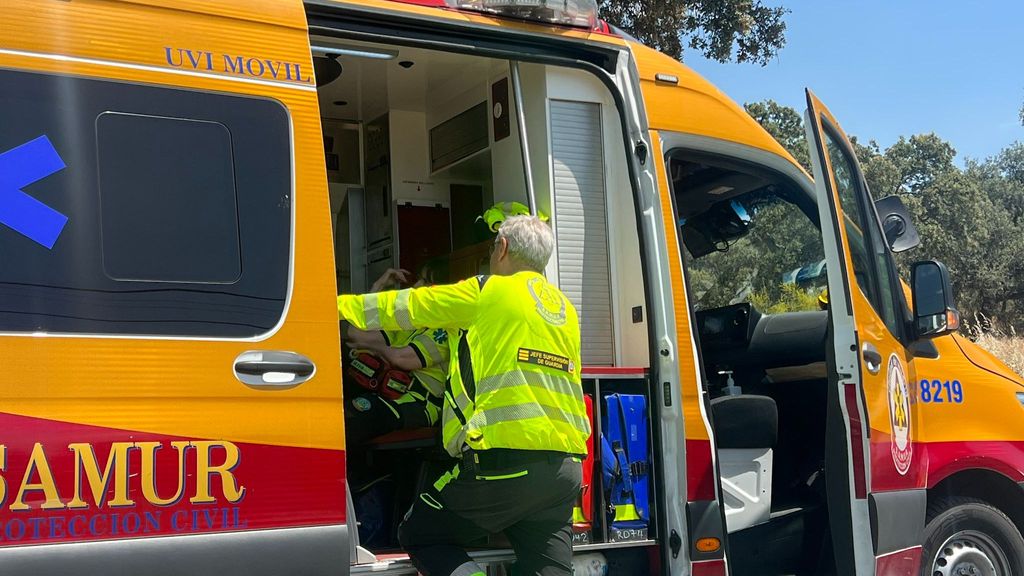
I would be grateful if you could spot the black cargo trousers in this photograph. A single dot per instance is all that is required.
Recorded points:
(527, 495)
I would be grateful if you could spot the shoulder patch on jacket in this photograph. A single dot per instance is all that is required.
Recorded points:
(550, 302)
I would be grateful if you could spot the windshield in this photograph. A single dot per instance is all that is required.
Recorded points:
(777, 265)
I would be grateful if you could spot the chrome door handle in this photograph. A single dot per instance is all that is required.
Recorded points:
(273, 368)
(872, 358)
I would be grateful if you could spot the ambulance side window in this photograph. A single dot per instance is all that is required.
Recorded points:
(869, 253)
(141, 210)
(140, 180)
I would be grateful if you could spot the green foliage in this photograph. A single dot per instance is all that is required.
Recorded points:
(908, 166)
(1003, 177)
(787, 298)
(961, 226)
(785, 125)
(972, 219)
(723, 30)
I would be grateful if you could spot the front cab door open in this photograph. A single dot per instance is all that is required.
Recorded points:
(872, 416)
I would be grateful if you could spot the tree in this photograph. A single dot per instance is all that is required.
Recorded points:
(785, 125)
(960, 226)
(882, 173)
(906, 167)
(919, 161)
(1002, 180)
(1005, 181)
(722, 30)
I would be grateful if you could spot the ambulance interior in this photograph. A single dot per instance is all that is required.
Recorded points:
(755, 268)
(419, 143)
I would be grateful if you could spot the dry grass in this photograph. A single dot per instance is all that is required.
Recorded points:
(1007, 346)
(1009, 349)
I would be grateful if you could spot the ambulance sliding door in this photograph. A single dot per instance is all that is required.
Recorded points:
(171, 390)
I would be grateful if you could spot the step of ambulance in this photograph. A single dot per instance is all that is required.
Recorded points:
(398, 564)
(746, 431)
(794, 541)
(496, 562)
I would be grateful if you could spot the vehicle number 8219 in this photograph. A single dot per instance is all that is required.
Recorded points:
(937, 391)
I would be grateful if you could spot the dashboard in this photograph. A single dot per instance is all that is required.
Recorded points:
(727, 327)
(739, 337)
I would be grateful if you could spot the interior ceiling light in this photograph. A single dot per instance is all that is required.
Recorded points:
(326, 69)
(358, 52)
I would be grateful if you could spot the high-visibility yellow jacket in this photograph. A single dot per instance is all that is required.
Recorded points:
(514, 378)
(431, 345)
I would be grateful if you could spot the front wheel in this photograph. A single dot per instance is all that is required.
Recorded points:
(970, 537)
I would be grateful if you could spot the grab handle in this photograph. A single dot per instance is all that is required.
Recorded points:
(273, 368)
(872, 358)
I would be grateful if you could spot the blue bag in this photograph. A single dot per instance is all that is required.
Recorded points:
(625, 460)
(375, 509)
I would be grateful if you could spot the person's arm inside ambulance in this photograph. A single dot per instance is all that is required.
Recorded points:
(404, 358)
(391, 279)
(418, 354)
(375, 342)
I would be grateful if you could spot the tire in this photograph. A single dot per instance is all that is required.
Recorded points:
(970, 537)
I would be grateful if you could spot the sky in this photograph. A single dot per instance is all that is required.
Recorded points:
(887, 68)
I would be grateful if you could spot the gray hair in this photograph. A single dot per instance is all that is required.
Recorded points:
(530, 241)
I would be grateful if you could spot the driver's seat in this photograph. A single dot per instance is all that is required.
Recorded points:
(746, 429)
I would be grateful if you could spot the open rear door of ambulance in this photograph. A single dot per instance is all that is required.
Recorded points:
(877, 508)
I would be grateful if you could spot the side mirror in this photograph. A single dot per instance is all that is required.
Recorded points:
(934, 312)
(899, 230)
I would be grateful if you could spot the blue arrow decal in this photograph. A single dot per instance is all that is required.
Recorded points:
(19, 167)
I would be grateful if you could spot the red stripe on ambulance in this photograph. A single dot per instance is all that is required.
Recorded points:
(72, 482)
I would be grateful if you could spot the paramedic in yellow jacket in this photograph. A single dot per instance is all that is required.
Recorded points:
(423, 353)
(513, 416)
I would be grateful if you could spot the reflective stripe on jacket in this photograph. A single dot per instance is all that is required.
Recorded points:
(431, 345)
